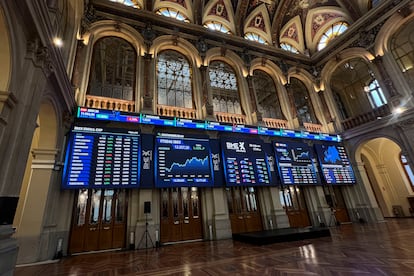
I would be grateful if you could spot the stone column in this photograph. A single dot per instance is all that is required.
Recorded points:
(221, 219)
(385, 77)
(207, 93)
(18, 112)
(281, 218)
(148, 98)
(253, 101)
(33, 211)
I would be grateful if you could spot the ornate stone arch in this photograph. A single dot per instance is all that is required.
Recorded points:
(220, 11)
(279, 79)
(232, 59)
(308, 80)
(390, 27)
(292, 33)
(317, 22)
(269, 67)
(182, 46)
(5, 57)
(184, 7)
(343, 56)
(169, 42)
(107, 28)
(258, 22)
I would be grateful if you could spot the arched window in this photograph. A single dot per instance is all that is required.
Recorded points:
(223, 82)
(301, 101)
(402, 48)
(267, 100)
(217, 26)
(375, 96)
(129, 3)
(334, 31)
(174, 80)
(407, 169)
(255, 37)
(173, 13)
(288, 47)
(113, 69)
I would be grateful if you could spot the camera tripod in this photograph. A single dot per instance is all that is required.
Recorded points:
(146, 235)
(333, 221)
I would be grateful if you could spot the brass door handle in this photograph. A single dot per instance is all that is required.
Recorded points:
(107, 228)
(92, 229)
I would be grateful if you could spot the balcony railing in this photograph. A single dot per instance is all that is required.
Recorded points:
(371, 116)
(109, 103)
(230, 118)
(275, 123)
(173, 111)
(313, 127)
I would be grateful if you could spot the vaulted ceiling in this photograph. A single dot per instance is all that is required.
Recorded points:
(299, 23)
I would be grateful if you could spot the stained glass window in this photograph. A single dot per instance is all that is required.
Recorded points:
(129, 3)
(288, 47)
(223, 82)
(301, 101)
(334, 31)
(173, 13)
(255, 37)
(174, 80)
(217, 26)
(267, 100)
(113, 69)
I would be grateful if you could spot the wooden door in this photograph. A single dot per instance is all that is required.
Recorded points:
(337, 203)
(243, 210)
(180, 214)
(98, 221)
(293, 202)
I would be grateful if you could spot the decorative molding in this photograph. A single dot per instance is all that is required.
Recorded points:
(8, 98)
(43, 154)
(40, 56)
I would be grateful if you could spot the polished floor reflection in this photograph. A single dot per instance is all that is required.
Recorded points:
(354, 249)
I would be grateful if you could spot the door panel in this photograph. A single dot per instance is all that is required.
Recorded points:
(293, 202)
(79, 222)
(180, 214)
(341, 212)
(98, 220)
(105, 233)
(92, 229)
(243, 210)
(119, 227)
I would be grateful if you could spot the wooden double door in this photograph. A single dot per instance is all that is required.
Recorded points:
(180, 214)
(293, 201)
(335, 200)
(243, 209)
(99, 220)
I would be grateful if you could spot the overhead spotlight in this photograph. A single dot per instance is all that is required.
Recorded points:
(398, 110)
(58, 42)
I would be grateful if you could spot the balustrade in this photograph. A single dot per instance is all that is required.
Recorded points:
(109, 103)
(173, 111)
(275, 123)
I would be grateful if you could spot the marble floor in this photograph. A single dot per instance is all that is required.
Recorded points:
(353, 249)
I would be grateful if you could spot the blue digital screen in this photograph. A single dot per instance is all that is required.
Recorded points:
(245, 162)
(335, 164)
(182, 161)
(120, 116)
(295, 163)
(99, 158)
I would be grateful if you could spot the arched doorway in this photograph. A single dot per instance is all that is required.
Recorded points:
(32, 211)
(385, 176)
